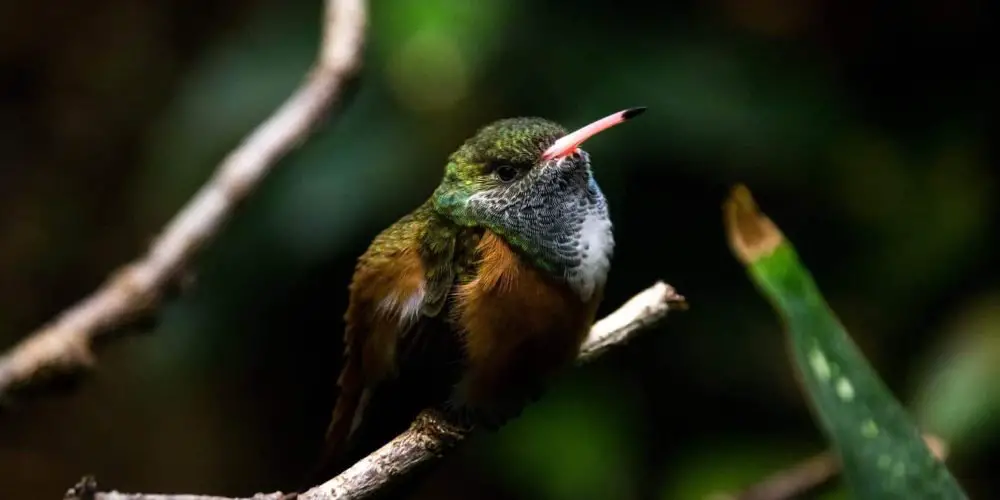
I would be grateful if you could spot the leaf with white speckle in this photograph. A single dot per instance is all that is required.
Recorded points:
(883, 453)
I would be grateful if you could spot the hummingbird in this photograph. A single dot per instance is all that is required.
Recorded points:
(473, 301)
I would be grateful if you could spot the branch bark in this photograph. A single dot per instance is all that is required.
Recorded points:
(64, 346)
(431, 435)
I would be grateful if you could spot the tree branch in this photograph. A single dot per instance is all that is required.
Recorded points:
(64, 345)
(431, 435)
(641, 311)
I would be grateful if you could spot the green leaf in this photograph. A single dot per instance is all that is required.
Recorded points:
(883, 453)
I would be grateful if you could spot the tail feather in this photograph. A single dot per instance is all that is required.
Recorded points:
(346, 414)
(346, 418)
(372, 410)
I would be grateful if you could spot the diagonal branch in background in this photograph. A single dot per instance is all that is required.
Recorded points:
(808, 476)
(64, 345)
(430, 436)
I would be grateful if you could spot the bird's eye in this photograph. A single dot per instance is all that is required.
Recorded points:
(506, 173)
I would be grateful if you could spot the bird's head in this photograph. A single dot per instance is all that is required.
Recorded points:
(527, 180)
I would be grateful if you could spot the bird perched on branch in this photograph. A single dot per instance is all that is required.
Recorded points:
(471, 302)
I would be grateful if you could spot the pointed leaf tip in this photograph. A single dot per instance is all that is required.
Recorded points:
(751, 234)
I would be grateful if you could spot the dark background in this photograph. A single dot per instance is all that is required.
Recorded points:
(861, 128)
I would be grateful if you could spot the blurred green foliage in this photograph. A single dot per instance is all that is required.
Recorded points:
(862, 124)
(565, 450)
(957, 392)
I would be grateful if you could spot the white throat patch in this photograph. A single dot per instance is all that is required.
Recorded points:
(595, 248)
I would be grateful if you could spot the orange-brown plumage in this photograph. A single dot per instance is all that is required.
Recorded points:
(513, 324)
(518, 324)
(389, 277)
(373, 327)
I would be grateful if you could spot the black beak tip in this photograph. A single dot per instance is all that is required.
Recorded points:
(630, 113)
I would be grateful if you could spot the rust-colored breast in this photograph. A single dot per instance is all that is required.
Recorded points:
(519, 325)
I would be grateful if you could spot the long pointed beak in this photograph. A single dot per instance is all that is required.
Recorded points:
(568, 143)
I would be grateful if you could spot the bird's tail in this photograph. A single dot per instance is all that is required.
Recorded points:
(347, 414)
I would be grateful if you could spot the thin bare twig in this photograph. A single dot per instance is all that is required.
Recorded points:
(642, 310)
(808, 475)
(431, 435)
(134, 291)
